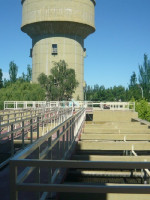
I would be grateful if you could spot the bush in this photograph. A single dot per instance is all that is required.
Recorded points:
(1, 105)
(143, 109)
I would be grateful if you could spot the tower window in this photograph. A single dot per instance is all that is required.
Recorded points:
(54, 49)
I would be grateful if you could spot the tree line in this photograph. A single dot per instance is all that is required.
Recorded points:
(61, 84)
(139, 87)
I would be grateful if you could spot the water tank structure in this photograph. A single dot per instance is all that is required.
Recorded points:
(58, 29)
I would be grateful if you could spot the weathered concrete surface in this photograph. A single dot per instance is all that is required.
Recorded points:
(113, 131)
(91, 145)
(124, 137)
(113, 116)
(111, 158)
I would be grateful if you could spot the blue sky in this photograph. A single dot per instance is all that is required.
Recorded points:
(114, 51)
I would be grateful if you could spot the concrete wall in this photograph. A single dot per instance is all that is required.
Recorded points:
(80, 11)
(70, 49)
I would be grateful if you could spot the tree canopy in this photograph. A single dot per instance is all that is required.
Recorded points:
(144, 76)
(13, 70)
(61, 84)
(22, 91)
(1, 78)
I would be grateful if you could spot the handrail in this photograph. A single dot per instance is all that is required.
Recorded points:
(62, 138)
(76, 104)
(22, 130)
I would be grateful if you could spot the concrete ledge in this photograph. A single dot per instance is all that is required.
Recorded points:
(126, 137)
(111, 158)
(140, 146)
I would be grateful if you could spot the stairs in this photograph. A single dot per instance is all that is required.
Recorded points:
(110, 141)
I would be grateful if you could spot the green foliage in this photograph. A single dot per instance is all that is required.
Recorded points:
(100, 93)
(1, 78)
(61, 84)
(143, 109)
(1, 105)
(22, 92)
(133, 80)
(144, 77)
(28, 77)
(13, 70)
(29, 73)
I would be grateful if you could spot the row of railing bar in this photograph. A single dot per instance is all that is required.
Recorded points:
(20, 130)
(66, 133)
(73, 104)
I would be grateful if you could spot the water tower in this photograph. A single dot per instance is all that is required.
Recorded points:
(58, 29)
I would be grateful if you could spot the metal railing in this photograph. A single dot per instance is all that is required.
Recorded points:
(25, 130)
(74, 104)
(57, 144)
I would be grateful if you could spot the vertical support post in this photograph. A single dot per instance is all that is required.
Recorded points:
(38, 127)
(67, 139)
(70, 133)
(12, 140)
(23, 134)
(13, 177)
(8, 123)
(58, 146)
(15, 121)
(31, 131)
(0, 124)
(50, 158)
(37, 173)
(63, 142)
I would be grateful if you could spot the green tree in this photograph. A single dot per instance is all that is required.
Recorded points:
(1, 78)
(143, 109)
(29, 73)
(22, 91)
(144, 77)
(134, 88)
(61, 84)
(133, 80)
(13, 70)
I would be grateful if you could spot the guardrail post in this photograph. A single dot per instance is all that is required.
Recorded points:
(12, 140)
(37, 173)
(63, 142)
(15, 121)
(8, 123)
(70, 133)
(67, 139)
(13, 177)
(31, 131)
(38, 127)
(0, 124)
(58, 146)
(22, 134)
(73, 125)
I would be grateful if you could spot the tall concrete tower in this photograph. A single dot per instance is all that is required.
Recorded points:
(58, 29)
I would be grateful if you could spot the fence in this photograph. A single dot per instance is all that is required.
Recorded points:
(23, 130)
(57, 144)
(75, 104)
